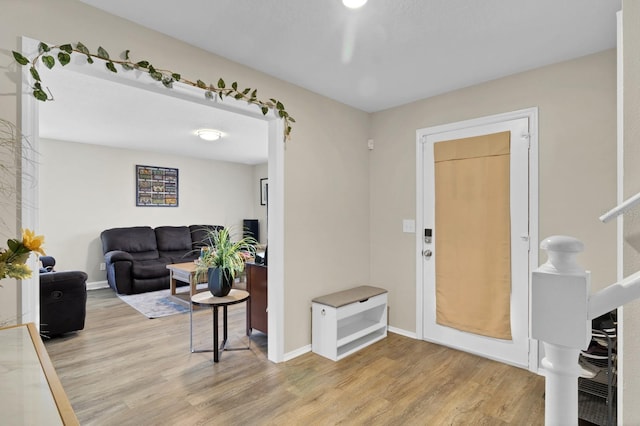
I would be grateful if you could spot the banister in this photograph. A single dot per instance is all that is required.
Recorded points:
(614, 296)
(621, 208)
(562, 310)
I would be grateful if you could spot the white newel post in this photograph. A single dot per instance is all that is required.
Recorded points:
(560, 320)
(561, 314)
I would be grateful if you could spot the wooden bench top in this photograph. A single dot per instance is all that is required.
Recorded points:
(346, 297)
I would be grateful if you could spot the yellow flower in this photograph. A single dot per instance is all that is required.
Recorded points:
(33, 242)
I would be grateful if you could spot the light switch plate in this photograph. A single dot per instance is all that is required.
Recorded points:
(409, 225)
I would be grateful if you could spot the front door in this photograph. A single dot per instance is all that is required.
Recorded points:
(475, 265)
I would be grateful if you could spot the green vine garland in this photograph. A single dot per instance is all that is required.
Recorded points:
(166, 77)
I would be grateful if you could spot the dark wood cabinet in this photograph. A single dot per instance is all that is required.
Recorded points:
(257, 317)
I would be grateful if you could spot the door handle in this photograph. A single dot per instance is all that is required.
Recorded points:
(427, 253)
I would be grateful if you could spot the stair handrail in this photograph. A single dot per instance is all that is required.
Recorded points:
(621, 208)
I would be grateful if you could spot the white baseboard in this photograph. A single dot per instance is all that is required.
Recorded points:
(296, 353)
(402, 332)
(303, 350)
(95, 285)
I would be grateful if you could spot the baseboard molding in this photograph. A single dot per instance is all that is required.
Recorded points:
(405, 333)
(296, 353)
(303, 350)
(95, 285)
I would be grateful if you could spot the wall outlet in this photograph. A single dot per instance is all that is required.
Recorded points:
(103, 266)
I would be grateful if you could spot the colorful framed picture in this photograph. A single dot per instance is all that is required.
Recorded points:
(156, 186)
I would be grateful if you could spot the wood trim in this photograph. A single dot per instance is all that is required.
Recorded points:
(65, 410)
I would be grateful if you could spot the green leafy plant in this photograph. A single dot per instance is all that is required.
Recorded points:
(225, 253)
(50, 55)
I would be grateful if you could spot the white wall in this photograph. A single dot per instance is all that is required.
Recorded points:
(85, 189)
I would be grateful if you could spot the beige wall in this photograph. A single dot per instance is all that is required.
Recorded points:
(85, 189)
(631, 244)
(344, 204)
(8, 228)
(326, 169)
(577, 149)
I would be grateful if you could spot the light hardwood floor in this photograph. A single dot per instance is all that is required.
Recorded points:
(124, 369)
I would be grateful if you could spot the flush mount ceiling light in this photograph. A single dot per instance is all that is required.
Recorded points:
(354, 4)
(209, 134)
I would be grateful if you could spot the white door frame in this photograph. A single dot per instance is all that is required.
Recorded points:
(29, 309)
(532, 115)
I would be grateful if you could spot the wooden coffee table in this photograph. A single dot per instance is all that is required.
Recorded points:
(186, 273)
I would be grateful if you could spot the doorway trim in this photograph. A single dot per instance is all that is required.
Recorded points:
(28, 305)
(532, 115)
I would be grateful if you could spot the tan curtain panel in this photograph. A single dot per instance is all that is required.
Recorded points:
(472, 235)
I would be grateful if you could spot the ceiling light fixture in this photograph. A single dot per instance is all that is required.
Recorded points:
(209, 134)
(354, 4)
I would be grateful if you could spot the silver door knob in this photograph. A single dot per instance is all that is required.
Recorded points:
(427, 253)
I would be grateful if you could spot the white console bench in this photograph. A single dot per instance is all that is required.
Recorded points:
(347, 321)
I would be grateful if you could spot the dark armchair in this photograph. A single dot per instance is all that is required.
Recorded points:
(63, 302)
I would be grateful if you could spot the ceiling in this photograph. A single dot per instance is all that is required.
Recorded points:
(92, 110)
(388, 53)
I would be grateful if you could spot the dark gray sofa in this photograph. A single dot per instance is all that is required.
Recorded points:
(137, 257)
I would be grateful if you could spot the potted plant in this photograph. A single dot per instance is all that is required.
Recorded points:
(223, 259)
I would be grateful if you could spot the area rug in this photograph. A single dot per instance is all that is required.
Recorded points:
(157, 304)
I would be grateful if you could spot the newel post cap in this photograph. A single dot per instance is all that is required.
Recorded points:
(562, 251)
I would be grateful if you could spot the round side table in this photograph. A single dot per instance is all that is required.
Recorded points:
(206, 299)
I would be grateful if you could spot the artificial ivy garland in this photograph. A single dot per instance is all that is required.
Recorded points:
(166, 77)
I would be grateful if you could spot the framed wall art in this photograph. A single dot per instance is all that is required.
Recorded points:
(156, 186)
(264, 191)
